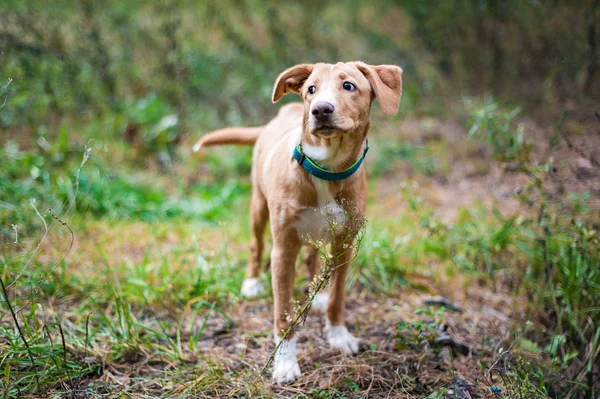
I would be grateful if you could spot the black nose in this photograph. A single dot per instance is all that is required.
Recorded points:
(322, 110)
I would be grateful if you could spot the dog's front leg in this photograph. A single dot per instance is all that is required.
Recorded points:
(337, 334)
(313, 264)
(286, 246)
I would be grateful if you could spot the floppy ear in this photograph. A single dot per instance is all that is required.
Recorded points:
(291, 80)
(386, 81)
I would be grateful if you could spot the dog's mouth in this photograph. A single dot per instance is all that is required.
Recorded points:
(325, 129)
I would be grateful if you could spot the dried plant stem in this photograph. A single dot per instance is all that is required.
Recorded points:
(37, 247)
(578, 150)
(349, 239)
(64, 257)
(301, 314)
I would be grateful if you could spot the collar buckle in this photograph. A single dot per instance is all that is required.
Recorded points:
(302, 155)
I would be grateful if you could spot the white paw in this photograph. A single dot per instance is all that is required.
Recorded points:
(285, 365)
(320, 302)
(340, 338)
(252, 287)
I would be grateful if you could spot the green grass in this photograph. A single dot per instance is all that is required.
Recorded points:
(421, 158)
(113, 311)
(110, 307)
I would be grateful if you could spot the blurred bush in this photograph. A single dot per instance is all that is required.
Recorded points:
(212, 63)
(50, 176)
(153, 126)
(497, 45)
(558, 238)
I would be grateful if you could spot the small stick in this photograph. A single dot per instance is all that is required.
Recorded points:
(62, 337)
(87, 333)
(353, 227)
(62, 260)
(593, 160)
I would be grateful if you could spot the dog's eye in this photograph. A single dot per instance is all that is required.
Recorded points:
(349, 86)
(312, 89)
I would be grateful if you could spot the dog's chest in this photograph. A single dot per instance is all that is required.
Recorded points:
(324, 220)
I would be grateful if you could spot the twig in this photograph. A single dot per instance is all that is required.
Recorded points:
(322, 281)
(86, 155)
(4, 87)
(37, 248)
(14, 316)
(592, 160)
(488, 373)
(353, 225)
(368, 391)
(87, 333)
(42, 281)
(64, 345)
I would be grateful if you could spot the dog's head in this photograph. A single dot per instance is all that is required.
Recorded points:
(337, 98)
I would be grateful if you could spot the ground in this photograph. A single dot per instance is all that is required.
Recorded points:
(153, 308)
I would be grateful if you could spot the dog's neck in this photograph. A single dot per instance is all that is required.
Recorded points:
(338, 153)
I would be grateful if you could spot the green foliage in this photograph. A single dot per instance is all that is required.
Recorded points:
(53, 175)
(505, 45)
(416, 333)
(377, 265)
(498, 127)
(472, 245)
(158, 124)
(116, 319)
(212, 63)
(565, 282)
(562, 251)
(46, 360)
(417, 156)
(439, 394)
(25, 176)
(119, 197)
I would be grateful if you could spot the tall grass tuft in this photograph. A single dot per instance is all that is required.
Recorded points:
(554, 256)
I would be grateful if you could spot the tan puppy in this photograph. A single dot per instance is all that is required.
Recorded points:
(331, 125)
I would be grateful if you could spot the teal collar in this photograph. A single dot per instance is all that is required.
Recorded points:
(322, 173)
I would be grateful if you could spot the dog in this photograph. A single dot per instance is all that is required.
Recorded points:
(307, 162)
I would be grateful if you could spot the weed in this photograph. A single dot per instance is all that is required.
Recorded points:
(154, 126)
(378, 265)
(52, 174)
(439, 394)
(496, 125)
(561, 249)
(347, 235)
(516, 376)
(474, 246)
(417, 333)
(418, 157)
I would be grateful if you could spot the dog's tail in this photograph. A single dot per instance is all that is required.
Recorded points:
(230, 135)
